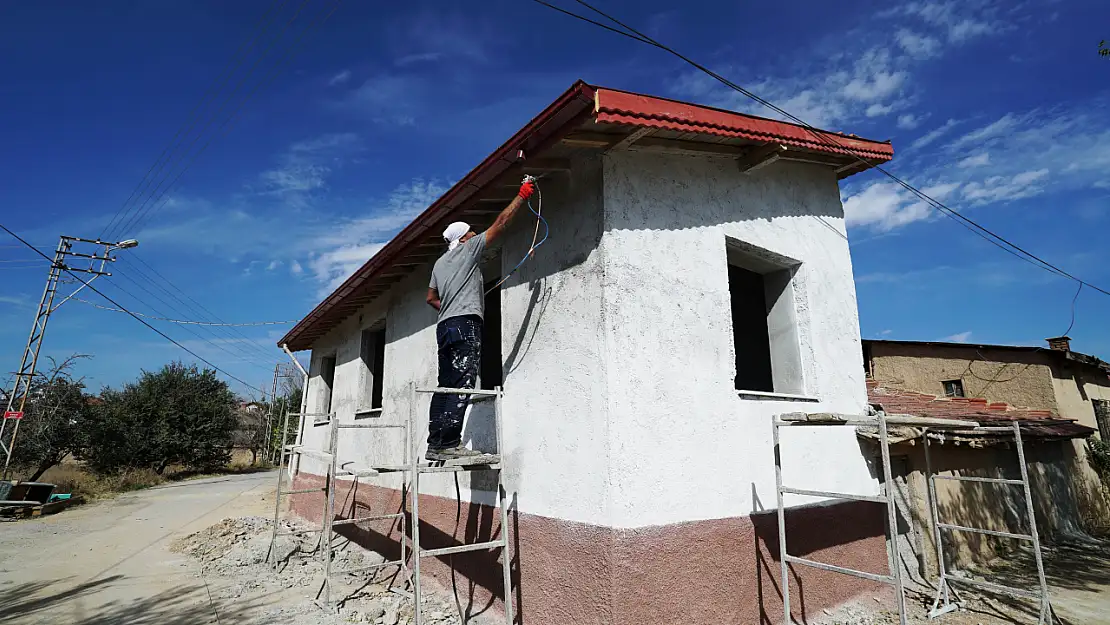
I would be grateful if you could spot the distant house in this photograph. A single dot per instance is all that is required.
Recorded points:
(1058, 395)
(697, 281)
(1070, 384)
(250, 406)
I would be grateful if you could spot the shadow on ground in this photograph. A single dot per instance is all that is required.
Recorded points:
(58, 603)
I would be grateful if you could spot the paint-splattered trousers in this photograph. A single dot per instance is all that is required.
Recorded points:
(460, 354)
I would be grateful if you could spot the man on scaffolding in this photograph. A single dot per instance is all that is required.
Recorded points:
(455, 291)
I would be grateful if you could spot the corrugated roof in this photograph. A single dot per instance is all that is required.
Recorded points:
(581, 105)
(621, 107)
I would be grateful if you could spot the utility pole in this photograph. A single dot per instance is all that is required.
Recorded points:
(17, 399)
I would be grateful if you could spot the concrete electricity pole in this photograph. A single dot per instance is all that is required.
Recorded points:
(17, 399)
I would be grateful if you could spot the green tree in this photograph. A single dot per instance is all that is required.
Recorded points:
(54, 420)
(180, 414)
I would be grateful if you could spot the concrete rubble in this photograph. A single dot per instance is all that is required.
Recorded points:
(232, 558)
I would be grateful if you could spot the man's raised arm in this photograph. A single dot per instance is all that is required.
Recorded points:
(497, 228)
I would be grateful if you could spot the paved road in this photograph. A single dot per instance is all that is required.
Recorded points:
(108, 563)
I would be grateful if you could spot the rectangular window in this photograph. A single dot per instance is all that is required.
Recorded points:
(1102, 417)
(764, 330)
(372, 355)
(327, 376)
(491, 374)
(953, 388)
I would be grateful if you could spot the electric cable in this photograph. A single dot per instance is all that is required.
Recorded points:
(137, 318)
(981, 231)
(546, 230)
(188, 322)
(191, 119)
(139, 220)
(242, 355)
(194, 309)
(124, 226)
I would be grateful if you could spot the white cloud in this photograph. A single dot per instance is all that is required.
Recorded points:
(1003, 189)
(338, 251)
(933, 135)
(916, 45)
(274, 264)
(295, 268)
(982, 135)
(909, 121)
(977, 160)
(15, 300)
(340, 78)
(419, 57)
(959, 337)
(878, 110)
(305, 166)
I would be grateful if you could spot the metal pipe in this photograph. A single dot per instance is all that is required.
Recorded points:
(979, 530)
(1045, 607)
(506, 569)
(819, 493)
(892, 519)
(968, 478)
(875, 577)
(783, 556)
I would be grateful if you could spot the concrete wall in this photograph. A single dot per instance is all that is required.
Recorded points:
(684, 444)
(631, 458)
(1018, 378)
(1076, 385)
(555, 429)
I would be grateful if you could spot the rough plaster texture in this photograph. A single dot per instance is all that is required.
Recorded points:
(555, 431)
(685, 445)
(629, 452)
(1075, 387)
(582, 574)
(1017, 378)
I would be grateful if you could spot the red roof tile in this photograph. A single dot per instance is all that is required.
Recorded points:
(620, 107)
(1035, 422)
(565, 115)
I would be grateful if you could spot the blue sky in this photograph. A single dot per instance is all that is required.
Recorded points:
(1000, 109)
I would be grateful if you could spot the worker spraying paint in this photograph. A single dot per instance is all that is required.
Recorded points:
(455, 291)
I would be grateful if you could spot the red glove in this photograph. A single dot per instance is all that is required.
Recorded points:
(526, 190)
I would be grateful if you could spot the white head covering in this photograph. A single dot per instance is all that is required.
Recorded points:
(454, 232)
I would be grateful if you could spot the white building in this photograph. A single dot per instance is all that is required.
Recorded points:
(697, 280)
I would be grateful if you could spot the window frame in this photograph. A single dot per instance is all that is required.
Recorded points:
(957, 381)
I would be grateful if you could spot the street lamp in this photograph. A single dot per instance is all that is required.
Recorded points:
(17, 399)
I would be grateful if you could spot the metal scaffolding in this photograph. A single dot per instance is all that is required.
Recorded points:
(411, 468)
(881, 421)
(943, 603)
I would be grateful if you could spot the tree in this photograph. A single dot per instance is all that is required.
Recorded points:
(250, 432)
(180, 414)
(54, 419)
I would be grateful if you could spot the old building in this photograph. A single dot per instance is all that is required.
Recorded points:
(697, 280)
(1052, 377)
(1060, 395)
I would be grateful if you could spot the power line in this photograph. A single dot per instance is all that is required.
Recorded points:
(138, 219)
(190, 120)
(981, 231)
(137, 318)
(214, 114)
(242, 354)
(188, 322)
(194, 307)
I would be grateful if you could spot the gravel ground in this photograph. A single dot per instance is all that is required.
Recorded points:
(232, 555)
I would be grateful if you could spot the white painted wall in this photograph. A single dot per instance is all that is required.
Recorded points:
(684, 445)
(554, 366)
(616, 336)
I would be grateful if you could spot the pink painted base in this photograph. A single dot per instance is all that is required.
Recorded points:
(719, 572)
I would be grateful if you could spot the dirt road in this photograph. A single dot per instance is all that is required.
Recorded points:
(108, 563)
